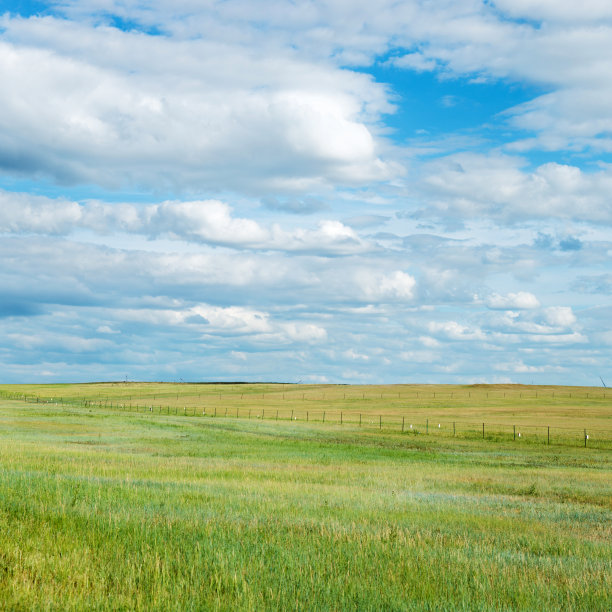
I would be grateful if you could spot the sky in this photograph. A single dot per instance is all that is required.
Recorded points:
(338, 191)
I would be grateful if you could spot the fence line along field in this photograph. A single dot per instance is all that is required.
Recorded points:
(152, 496)
(544, 414)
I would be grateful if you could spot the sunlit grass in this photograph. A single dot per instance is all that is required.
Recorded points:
(103, 508)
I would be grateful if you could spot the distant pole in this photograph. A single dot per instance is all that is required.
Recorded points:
(403, 424)
(360, 419)
(514, 430)
(453, 428)
(340, 418)
(427, 427)
(483, 431)
(324, 416)
(585, 438)
(548, 434)
(380, 421)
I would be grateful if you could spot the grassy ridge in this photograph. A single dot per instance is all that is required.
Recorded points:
(107, 509)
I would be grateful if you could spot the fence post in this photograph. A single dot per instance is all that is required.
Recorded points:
(586, 437)
(548, 434)
(277, 415)
(483, 431)
(324, 416)
(427, 427)
(360, 419)
(292, 415)
(403, 424)
(380, 421)
(340, 417)
(514, 430)
(307, 416)
(453, 429)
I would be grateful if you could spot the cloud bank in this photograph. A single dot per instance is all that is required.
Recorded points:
(380, 192)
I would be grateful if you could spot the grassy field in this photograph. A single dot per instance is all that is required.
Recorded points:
(560, 415)
(161, 507)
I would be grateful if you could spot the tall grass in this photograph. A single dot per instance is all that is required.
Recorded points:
(117, 510)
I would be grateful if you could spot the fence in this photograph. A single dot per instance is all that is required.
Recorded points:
(407, 424)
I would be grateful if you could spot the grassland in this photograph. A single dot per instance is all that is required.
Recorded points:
(161, 507)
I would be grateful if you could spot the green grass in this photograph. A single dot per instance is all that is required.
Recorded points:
(108, 509)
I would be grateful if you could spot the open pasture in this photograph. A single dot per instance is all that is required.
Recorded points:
(540, 414)
(161, 507)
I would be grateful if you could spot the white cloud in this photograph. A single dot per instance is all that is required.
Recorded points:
(560, 316)
(520, 300)
(109, 107)
(219, 121)
(205, 221)
(468, 185)
(454, 330)
(521, 368)
(396, 286)
(415, 61)
(355, 356)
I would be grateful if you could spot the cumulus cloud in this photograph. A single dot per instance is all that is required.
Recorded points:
(560, 316)
(468, 185)
(454, 330)
(520, 300)
(211, 118)
(205, 221)
(109, 107)
(396, 286)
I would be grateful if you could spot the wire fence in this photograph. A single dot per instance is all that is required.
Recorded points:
(406, 423)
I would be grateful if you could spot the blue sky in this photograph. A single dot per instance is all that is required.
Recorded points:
(322, 191)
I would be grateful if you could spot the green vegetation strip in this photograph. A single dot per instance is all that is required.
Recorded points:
(102, 509)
